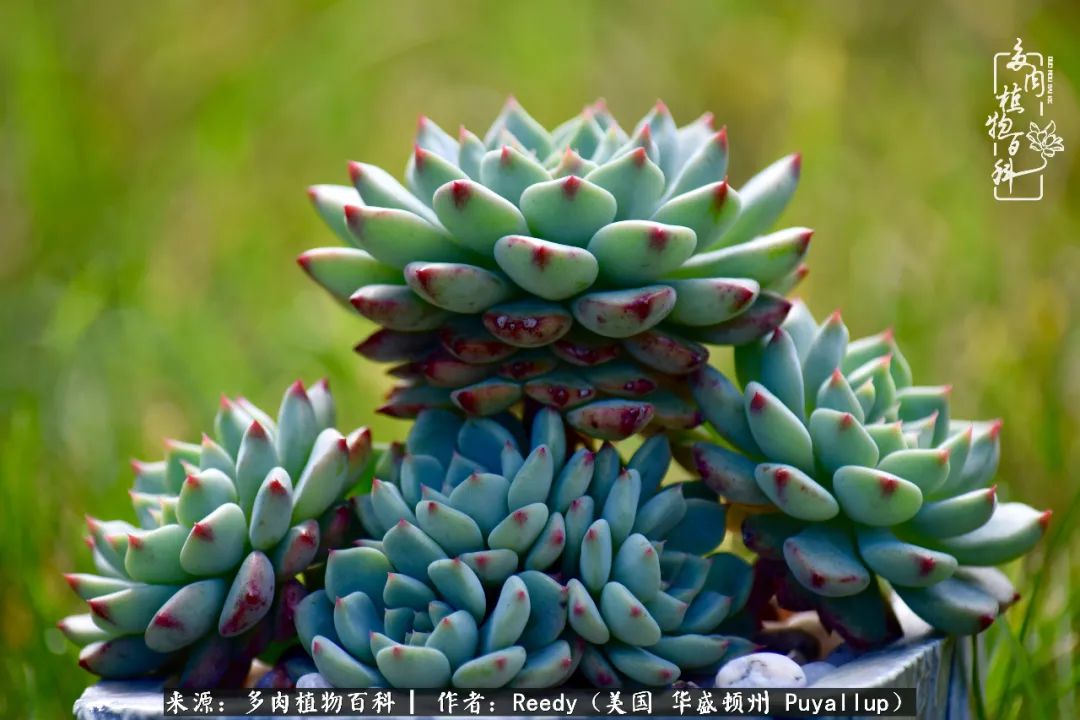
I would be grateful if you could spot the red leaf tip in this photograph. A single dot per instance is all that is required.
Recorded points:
(720, 194)
(1044, 519)
(460, 192)
(356, 171)
(796, 164)
(570, 186)
(352, 214)
(888, 485)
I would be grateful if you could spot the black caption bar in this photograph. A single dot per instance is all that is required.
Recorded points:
(525, 703)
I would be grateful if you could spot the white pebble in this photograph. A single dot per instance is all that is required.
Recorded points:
(761, 670)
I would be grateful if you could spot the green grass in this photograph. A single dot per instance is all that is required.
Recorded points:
(153, 158)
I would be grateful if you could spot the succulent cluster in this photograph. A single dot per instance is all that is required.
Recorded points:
(858, 473)
(581, 267)
(537, 290)
(205, 579)
(494, 566)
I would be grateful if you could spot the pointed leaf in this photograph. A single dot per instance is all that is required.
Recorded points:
(567, 211)
(764, 259)
(380, 189)
(249, 597)
(635, 252)
(708, 301)
(903, 563)
(795, 492)
(476, 216)
(509, 171)
(547, 269)
(623, 313)
(456, 287)
(398, 237)
(527, 323)
(397, 307)
(823, 560)
(776, 430)
(764, 198)
(1011, 531)
(666, 352)
(874, 497)
(762, 317)
(839, 439)
(610, 419)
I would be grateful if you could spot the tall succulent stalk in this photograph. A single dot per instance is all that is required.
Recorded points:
(581, 267)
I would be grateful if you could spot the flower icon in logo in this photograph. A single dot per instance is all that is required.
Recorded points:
(1045, 140)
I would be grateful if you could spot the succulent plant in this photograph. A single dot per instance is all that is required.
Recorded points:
(581, 267)
(206, 576)
(854, 473)
(491, 565)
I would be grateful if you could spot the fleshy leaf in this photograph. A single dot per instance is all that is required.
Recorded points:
(397, 237)
(875, 497)
(567, 211)
(708, 301)
(546, 269)
(397, 307)
(795, 492)
(455, 287)
(635, 252)
(624, 313)
(823, 560)
(527, 323)
(476, 216)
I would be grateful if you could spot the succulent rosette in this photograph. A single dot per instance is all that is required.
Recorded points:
(858, 474)
(582, 267)
(205, 578)
(502, 556)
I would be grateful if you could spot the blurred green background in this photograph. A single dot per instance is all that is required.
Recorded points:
(153, 160)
